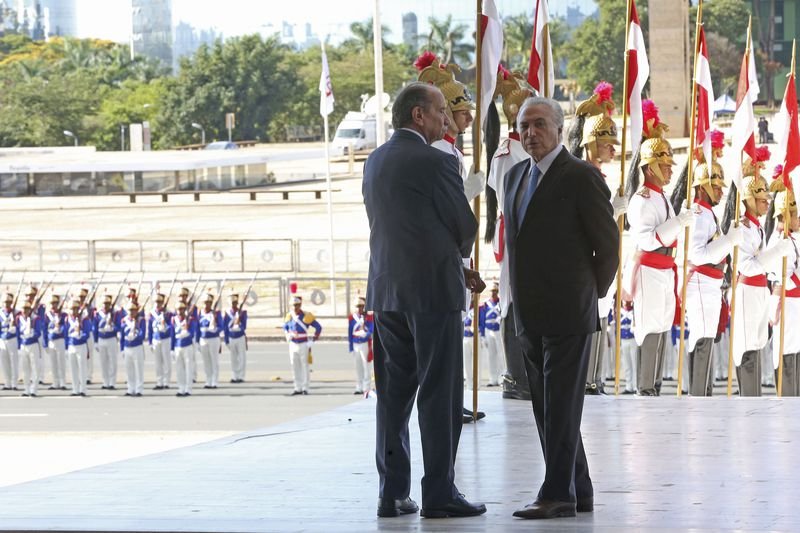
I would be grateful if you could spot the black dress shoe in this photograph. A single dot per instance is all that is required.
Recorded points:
(546, 509)
(358, 392)
(585, 505)
(468, 416)
(515, 394)
(296, 393)
(388, 507)
(456, 508)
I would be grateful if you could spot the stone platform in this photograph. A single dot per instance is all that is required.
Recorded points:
(658, 464)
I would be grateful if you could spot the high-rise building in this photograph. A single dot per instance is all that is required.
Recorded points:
(410, 30)
(151, 34)
(188, 40)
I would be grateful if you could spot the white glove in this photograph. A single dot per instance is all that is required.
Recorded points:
(669, 230)
(620, 205)
(686, 217)
(310, 342)
(721, 247)
(474, 183)
(735, 235)
(769, 257)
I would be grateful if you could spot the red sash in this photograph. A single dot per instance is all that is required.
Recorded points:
(794, 293)
(499, 239)
(708, 270)
(754, 281)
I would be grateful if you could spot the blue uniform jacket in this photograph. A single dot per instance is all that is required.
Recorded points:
(204, 323)
(299, 333)
(8, 325)
(240, 331)
(357, 322)
(78, 330)
(32, 335)
(55, 324)
(489, 316)
(156, 322)
(137, 330)
(184, 332)
(105, 325)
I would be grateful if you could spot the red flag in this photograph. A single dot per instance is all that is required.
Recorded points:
(638, 72)
(540, 68)
(789, 132)
(705, 97)
(491, 50)
(744, 121)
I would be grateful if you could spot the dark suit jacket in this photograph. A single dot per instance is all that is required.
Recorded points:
(565, 252)
(420, 224)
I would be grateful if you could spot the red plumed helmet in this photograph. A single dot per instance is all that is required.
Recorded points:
(650, 112)
(604, 91)
(425, 60)
(777, 172)
(762, 153)
(503, 71)
(293, 288)
(717, 139)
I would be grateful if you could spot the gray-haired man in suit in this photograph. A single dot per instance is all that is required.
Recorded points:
(421, 229)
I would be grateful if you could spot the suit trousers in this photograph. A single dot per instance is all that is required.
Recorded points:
(515, 362)
(557, 368)
(418, 354)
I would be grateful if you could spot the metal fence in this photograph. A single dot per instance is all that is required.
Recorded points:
(291, 256)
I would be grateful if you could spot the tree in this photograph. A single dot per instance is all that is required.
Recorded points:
(596, 50)
(249, 76)
(363, 38)
(727, 18)
(518, 33)
(448, 41)
(134, 102)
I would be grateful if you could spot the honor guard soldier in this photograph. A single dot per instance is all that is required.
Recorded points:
(459, 113)
(210, 324)
(235, 328)
(79, 329)
(191, 310)
(133, 332)
(106, 328)
(489, 327)
(9, 343)
(159, 337)
(469, 334)
(55, 342)
(509, 152)
(184, 335)
(708, 250)
(37, 310)
(87, 311)
(295, 328)
(651, 275)
(785, 202)
(30, 328)
(360, 326)
(593, 137)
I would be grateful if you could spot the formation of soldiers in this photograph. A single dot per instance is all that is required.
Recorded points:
(34, 337)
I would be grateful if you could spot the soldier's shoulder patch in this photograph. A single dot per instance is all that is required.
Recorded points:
(308, 318)
(504, 148)
(288, 317)
(745, 221)
(697, 210)
(644, 192)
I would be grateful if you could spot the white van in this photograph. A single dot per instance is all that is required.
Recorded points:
(356, 130)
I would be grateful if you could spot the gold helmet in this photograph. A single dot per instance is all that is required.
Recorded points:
(598, 125)
(717, 147)
(784, 196)
(655, 149)
(708, 180)
(513, 91)
(444, 77)
(754, 186)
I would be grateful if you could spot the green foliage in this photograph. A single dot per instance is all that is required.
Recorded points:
(449, 42)
(518, 32)
(596, 49)
(726, 18)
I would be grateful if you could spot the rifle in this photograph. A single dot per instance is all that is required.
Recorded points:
(2, 274)
(44, 289)
(192, 294)
(139, 287)
(169, 294)
(91, 296)
(19, 288)
(66, 295)
(219, 296)
(119, 292)
(247, 291)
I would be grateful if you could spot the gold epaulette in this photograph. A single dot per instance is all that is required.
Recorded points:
(697, 209)
(504, 148)
(745, 222)
(644, 192)
(308, 318)
(288, 317)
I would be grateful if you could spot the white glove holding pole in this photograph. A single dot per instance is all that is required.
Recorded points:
(474, 184)
(721, 247)
(620, 205)
(769, 258)
(669, 230)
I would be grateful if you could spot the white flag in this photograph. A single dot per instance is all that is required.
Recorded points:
(638, 72)
(325, 89)
(491, 49)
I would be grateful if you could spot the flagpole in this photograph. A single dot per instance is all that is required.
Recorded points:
(735, 262)
(331, 262)
(621, 219)
(786, 224)
(689, 184)
(548, 91)
(377, 46)
(476, 203)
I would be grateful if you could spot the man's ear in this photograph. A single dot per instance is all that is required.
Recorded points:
(416, 115)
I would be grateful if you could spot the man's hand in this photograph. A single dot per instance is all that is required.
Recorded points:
(473, 280)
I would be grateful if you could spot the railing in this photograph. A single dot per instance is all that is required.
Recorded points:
(295, 256)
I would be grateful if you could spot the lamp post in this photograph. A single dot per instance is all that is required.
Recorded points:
(122, 137)
(70, 134)
(197, 126)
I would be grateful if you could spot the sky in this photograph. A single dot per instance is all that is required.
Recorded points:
(111, 19)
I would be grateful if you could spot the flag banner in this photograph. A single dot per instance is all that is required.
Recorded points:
(491, 49)
(744, 121)
(788, 131)
(638, 73)
(325, 88)
(705, 97)
(540, 69)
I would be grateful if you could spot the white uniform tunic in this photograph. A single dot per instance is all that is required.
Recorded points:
(750, 318)
(652, 287)
(704, 287)
(473, 186)
(791, 328)
(509, 153)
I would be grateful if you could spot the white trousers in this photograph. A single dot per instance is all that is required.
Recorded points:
(30, 355)
(163, 362)
(703, 303)
(184, 368)
(468, 353)
(298, 358)
(56, 349)
(653, 302)
(134, 368)
(210, 350)
(363, 367)
(89, 359)
(628, 350)
(108, 352)
(237, 348)
(77, 362)
(9, 360)
(497, 363)
(750, 321)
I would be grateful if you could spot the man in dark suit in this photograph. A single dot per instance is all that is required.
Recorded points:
(562, 247)
(421, 229)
